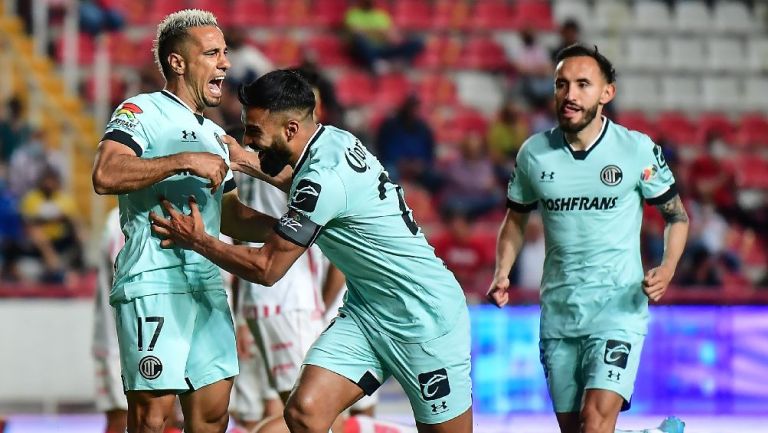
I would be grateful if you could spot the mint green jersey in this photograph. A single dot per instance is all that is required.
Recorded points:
(155, 125)
(342, 198)
(591, 204)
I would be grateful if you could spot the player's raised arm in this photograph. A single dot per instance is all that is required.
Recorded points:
(240, 222)
(117, 169)
(675, 234)
(508, 246)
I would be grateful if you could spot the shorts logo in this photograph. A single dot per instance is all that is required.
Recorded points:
(434, 384)
(439, 408)
(611, 175)
(614, 376)
(305, 196)
(150, 367)
(617, 353)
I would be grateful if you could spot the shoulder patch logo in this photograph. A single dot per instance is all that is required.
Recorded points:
(611, 175)
(649, 172)
(305, 196)
(128, 110)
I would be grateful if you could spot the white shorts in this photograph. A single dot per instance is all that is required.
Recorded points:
(251, 388)
(283, 340)
(109, 384)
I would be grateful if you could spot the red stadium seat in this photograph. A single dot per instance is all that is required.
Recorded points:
(677, 129)
(450, 15)
(85, 49)
(752, 172)
(412, 14)
(283, 50)
(440, 52)
(535, 14)
(471, 121)
(250, 12)
(637, 121)
(718, 124)
(328, 13)
(355, 88)
(160, 9)
(391, 90)
(752, 131)
(219, 8)
(329, 50)
(437, 89)
(482, 52)
(491, 14)
(290, 13)
(126, 52)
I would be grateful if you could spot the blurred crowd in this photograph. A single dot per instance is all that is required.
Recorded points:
(456, 190)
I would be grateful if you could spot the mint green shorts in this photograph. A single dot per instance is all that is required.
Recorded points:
(607, 360)
(434, 374)
(176, 341)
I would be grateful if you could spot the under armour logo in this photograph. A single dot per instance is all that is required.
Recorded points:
(186, 134)
(611, 374)
(438, 408)
(550, 175)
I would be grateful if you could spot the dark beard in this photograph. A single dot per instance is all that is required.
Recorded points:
(570, 128)
(272, 162)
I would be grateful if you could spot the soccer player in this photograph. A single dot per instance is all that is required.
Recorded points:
(404, 316)
(589, 177)
(110, 398)
(173, 322)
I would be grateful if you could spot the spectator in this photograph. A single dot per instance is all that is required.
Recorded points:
(534, 69)
(406, 145)
(470, 180)
(467, 254)
(712, 181)
(11, 232)
(14, 130)
(27, 164)
(328, 109)
(507, 133)
(248, 62)
(99, 16)
(374, 39)
(542, 117)
(570, 33)
(52, 224)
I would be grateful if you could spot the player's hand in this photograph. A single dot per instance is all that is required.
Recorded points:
(209, 166)
(656, 282)
(498, 293)
(179, 230)
(244, 342)
(238, 155)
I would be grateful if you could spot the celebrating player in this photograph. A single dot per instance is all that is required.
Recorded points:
(589, 177)
(405, 315)
(173, 322)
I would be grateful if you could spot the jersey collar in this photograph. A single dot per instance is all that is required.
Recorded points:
(582, 154)
(199, 117)
(305, 153)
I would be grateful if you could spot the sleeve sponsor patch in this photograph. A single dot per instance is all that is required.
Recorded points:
(305, 196)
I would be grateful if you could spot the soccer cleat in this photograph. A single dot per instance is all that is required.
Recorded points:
(672, 424)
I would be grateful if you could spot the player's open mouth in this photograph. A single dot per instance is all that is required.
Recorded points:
(215, 86)
(570, 110)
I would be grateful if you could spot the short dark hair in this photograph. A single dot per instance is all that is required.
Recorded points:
(279, 90)
(578, 50)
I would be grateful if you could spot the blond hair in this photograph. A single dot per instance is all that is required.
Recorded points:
(173, 30)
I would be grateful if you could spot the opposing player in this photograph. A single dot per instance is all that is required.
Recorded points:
(110, 398)
(173, 322)
(405, 315)
(589, 176)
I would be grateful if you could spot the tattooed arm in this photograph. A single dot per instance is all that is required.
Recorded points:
(675, 234)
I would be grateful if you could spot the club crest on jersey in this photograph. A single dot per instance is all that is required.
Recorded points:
(305, 196)
(150, 367)
(649, 172)
(611, 175)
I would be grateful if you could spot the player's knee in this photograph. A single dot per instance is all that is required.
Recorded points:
(302, 414)
(151, 422)
(592, 421)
